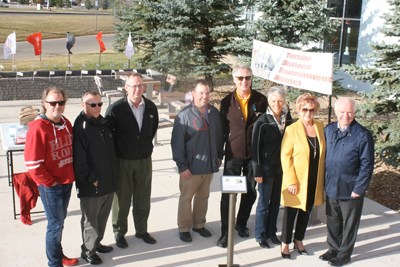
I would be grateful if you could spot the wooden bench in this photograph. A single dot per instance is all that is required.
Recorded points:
(107, 93)
(174, 107)
(162, 123)
(171, 80)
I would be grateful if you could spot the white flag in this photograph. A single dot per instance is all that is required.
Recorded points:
(129, 49)
(10, 46)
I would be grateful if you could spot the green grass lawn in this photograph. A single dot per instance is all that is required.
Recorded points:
(53, 26)
(89, 61)
(56, 26)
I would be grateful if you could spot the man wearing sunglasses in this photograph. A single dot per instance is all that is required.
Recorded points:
(135, 121)
(239, 111)
(95, 166)
(48, 158)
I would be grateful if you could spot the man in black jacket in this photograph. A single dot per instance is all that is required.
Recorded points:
(135, 121)
(95, 173)
(239, 111)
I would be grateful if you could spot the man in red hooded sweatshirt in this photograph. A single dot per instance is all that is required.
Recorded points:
(48, 158)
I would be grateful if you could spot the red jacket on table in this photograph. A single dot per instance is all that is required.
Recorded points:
(48, 152)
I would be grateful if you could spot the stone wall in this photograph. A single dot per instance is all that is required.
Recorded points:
(28, 87)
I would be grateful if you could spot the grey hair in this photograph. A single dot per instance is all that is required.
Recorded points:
(240, 67)
(342, 100)
(280, 90)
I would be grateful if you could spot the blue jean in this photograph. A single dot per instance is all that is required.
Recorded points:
(55, 201)
(268, 203)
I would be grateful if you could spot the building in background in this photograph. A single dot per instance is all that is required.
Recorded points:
(359, 25)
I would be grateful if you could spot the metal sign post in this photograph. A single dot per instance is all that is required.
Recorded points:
(232, 185)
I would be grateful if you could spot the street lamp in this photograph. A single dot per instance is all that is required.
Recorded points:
(96, 3)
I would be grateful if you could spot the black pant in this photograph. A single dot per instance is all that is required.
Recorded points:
(289, 216)
(343, 220)
(236, 166)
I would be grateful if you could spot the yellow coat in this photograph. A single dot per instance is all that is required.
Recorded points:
(295, 154)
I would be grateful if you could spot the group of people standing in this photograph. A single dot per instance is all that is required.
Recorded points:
(289, 163)
(294, 164)
(108, 157)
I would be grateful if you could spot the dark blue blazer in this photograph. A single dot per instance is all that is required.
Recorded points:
(349, 161)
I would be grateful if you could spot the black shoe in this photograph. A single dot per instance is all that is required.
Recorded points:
(284, 255)
(146, 238)
(301, 252)
(275, 239)
(328, 256)
(338, 262)
(202, 231)
(92, 259)
(223, 241)
(242, 231)
(185, 236)
(264, 243)
(104, 249)
(120, 241)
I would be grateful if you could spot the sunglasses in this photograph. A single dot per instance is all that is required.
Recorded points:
(54, 103)
(240, 78)
(305, 110)
(93, 105)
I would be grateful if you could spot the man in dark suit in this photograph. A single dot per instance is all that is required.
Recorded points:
(349, 164)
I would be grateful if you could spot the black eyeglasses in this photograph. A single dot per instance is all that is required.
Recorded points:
(93, 105)
(305, 110)
(137, 86)
(54, 103)
(240, 78)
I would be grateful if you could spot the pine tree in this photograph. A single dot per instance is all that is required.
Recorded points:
(381, 111)
(184, 37)
(293, 23)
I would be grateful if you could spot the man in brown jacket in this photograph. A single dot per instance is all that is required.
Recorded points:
(239, 111)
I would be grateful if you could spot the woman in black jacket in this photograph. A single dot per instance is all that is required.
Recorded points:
(266, 146)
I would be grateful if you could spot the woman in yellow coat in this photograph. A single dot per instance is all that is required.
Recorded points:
(302, 157)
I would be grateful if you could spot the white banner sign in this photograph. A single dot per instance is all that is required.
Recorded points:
(305, 70)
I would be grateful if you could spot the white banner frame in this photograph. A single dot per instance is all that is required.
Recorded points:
(306, 70)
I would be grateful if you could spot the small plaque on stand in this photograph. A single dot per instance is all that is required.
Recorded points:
(233, 184)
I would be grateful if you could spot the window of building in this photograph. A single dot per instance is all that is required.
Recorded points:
(346, 40)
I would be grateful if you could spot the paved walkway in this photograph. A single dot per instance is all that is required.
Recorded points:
(21, 245)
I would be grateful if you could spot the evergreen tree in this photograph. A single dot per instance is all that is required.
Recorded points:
(185, 38)
(293, 23)
(88, 4)
(105, 4)
(381, 112)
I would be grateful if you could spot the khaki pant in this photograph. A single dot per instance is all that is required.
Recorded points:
(197, 188)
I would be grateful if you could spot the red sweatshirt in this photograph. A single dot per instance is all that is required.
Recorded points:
(48, 152)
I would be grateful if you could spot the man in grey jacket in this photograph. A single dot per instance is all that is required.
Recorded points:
(197, 148)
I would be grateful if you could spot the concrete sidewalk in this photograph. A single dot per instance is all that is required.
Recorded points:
(378, 241)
